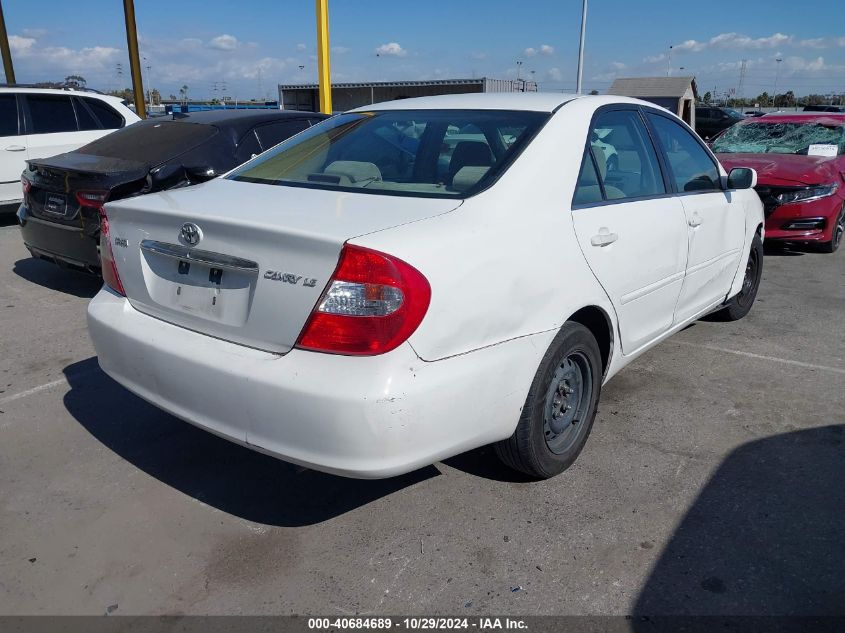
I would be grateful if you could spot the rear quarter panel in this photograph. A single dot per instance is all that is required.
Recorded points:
(506, 264)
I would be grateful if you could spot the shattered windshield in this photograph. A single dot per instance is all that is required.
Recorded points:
(782, 138)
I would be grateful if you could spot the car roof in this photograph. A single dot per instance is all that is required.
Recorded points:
(528, 101)
(60, 91)
(236, 121)
(828, 118)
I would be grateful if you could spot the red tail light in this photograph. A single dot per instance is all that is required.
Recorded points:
(373, 303)
(110, 276)
(26, 184)
(92, 199)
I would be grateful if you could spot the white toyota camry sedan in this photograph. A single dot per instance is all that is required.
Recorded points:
(414, 279)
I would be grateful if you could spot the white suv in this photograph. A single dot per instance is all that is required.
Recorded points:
(41, 122)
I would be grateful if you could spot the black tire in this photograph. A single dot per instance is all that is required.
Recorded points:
(560, 408)
(838, 230)
(740, 304)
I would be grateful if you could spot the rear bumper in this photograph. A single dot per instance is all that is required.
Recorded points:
(366, 417)
(64, 245)
(815, 220)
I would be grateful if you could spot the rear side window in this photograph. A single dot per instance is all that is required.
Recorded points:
(84, 117)
(621, 156)
(8, 115)
(109, 119)
(691, 167)
(51, 113)
(274, 133)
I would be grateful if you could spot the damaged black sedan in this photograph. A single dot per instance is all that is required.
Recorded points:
(63, 195)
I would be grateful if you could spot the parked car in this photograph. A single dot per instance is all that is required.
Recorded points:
(710, 120)
(824, 108)
(800, 160)
(59, 216)
(38, 122)
(753, 113)
(345, 306)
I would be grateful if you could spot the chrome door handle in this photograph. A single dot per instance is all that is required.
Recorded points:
(15, 148)
(694, 221)
(604, 237)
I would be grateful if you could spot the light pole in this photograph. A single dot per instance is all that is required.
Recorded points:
(581, 47)
(777, 76)
(5, 52)
(669, 63)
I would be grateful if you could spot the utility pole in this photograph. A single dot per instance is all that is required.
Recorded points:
(324, 72)
(581, 48)
(777, 76)
(669, 63)
(742, 70)
(134, 60)
(4, 49)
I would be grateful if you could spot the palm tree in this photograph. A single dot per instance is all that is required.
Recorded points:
(183, 93)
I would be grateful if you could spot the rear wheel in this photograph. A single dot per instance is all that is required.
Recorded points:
(741, 304)
(560, 407)
(838, 229)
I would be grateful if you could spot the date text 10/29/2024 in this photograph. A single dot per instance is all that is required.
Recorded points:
(419, 623)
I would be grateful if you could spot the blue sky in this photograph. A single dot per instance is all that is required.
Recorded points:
(252, 45)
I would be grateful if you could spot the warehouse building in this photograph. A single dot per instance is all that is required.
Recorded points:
(347, 96)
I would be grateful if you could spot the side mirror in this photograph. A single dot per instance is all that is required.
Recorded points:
(200, 173)
(742, 178)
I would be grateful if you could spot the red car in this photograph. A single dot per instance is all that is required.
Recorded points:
(800, 163)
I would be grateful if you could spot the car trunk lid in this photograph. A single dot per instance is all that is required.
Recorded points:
(55, 182)
(263, 256)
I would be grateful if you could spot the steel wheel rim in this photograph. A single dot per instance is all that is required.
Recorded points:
(750, 279)
(567, 402)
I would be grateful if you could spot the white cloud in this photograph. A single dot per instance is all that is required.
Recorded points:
(478, 55)
(653, 59)
(618, 65)
(391, 49)
(690, 45)
(301, 47)
(529, 52)
(744, 42)
(547, 50)
(21, 45)
(554, 74)
(340, 50)
(224, 42)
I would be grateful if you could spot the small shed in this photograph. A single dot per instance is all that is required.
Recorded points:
(676, 94)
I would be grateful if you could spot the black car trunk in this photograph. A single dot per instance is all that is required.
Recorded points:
(56, 182)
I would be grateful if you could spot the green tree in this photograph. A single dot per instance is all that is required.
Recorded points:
(707, 97)
(75, 81)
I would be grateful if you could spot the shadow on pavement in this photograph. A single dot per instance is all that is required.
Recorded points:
(483, 462)
(781, 249)
(765, 537)
(53, 277)
(219, 473)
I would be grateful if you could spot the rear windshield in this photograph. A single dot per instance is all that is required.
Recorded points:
(781, 138)
(430, 153)
(151, 141)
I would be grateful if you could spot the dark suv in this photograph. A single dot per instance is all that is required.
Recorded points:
(710, 120)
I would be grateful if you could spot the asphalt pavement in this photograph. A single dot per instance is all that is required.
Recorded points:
(712, 484)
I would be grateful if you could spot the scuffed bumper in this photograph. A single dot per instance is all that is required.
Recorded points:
(817, 216)
(64, 245)
(366, 417)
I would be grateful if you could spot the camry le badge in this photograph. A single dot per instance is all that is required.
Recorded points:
(190, 234)
(290, 278)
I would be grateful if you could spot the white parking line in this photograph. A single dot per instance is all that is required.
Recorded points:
(44, 387)
(774, 359)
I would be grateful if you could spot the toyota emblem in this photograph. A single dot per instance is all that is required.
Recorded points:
(190, 234)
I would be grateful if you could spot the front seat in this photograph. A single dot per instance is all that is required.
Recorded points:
(469, 154)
